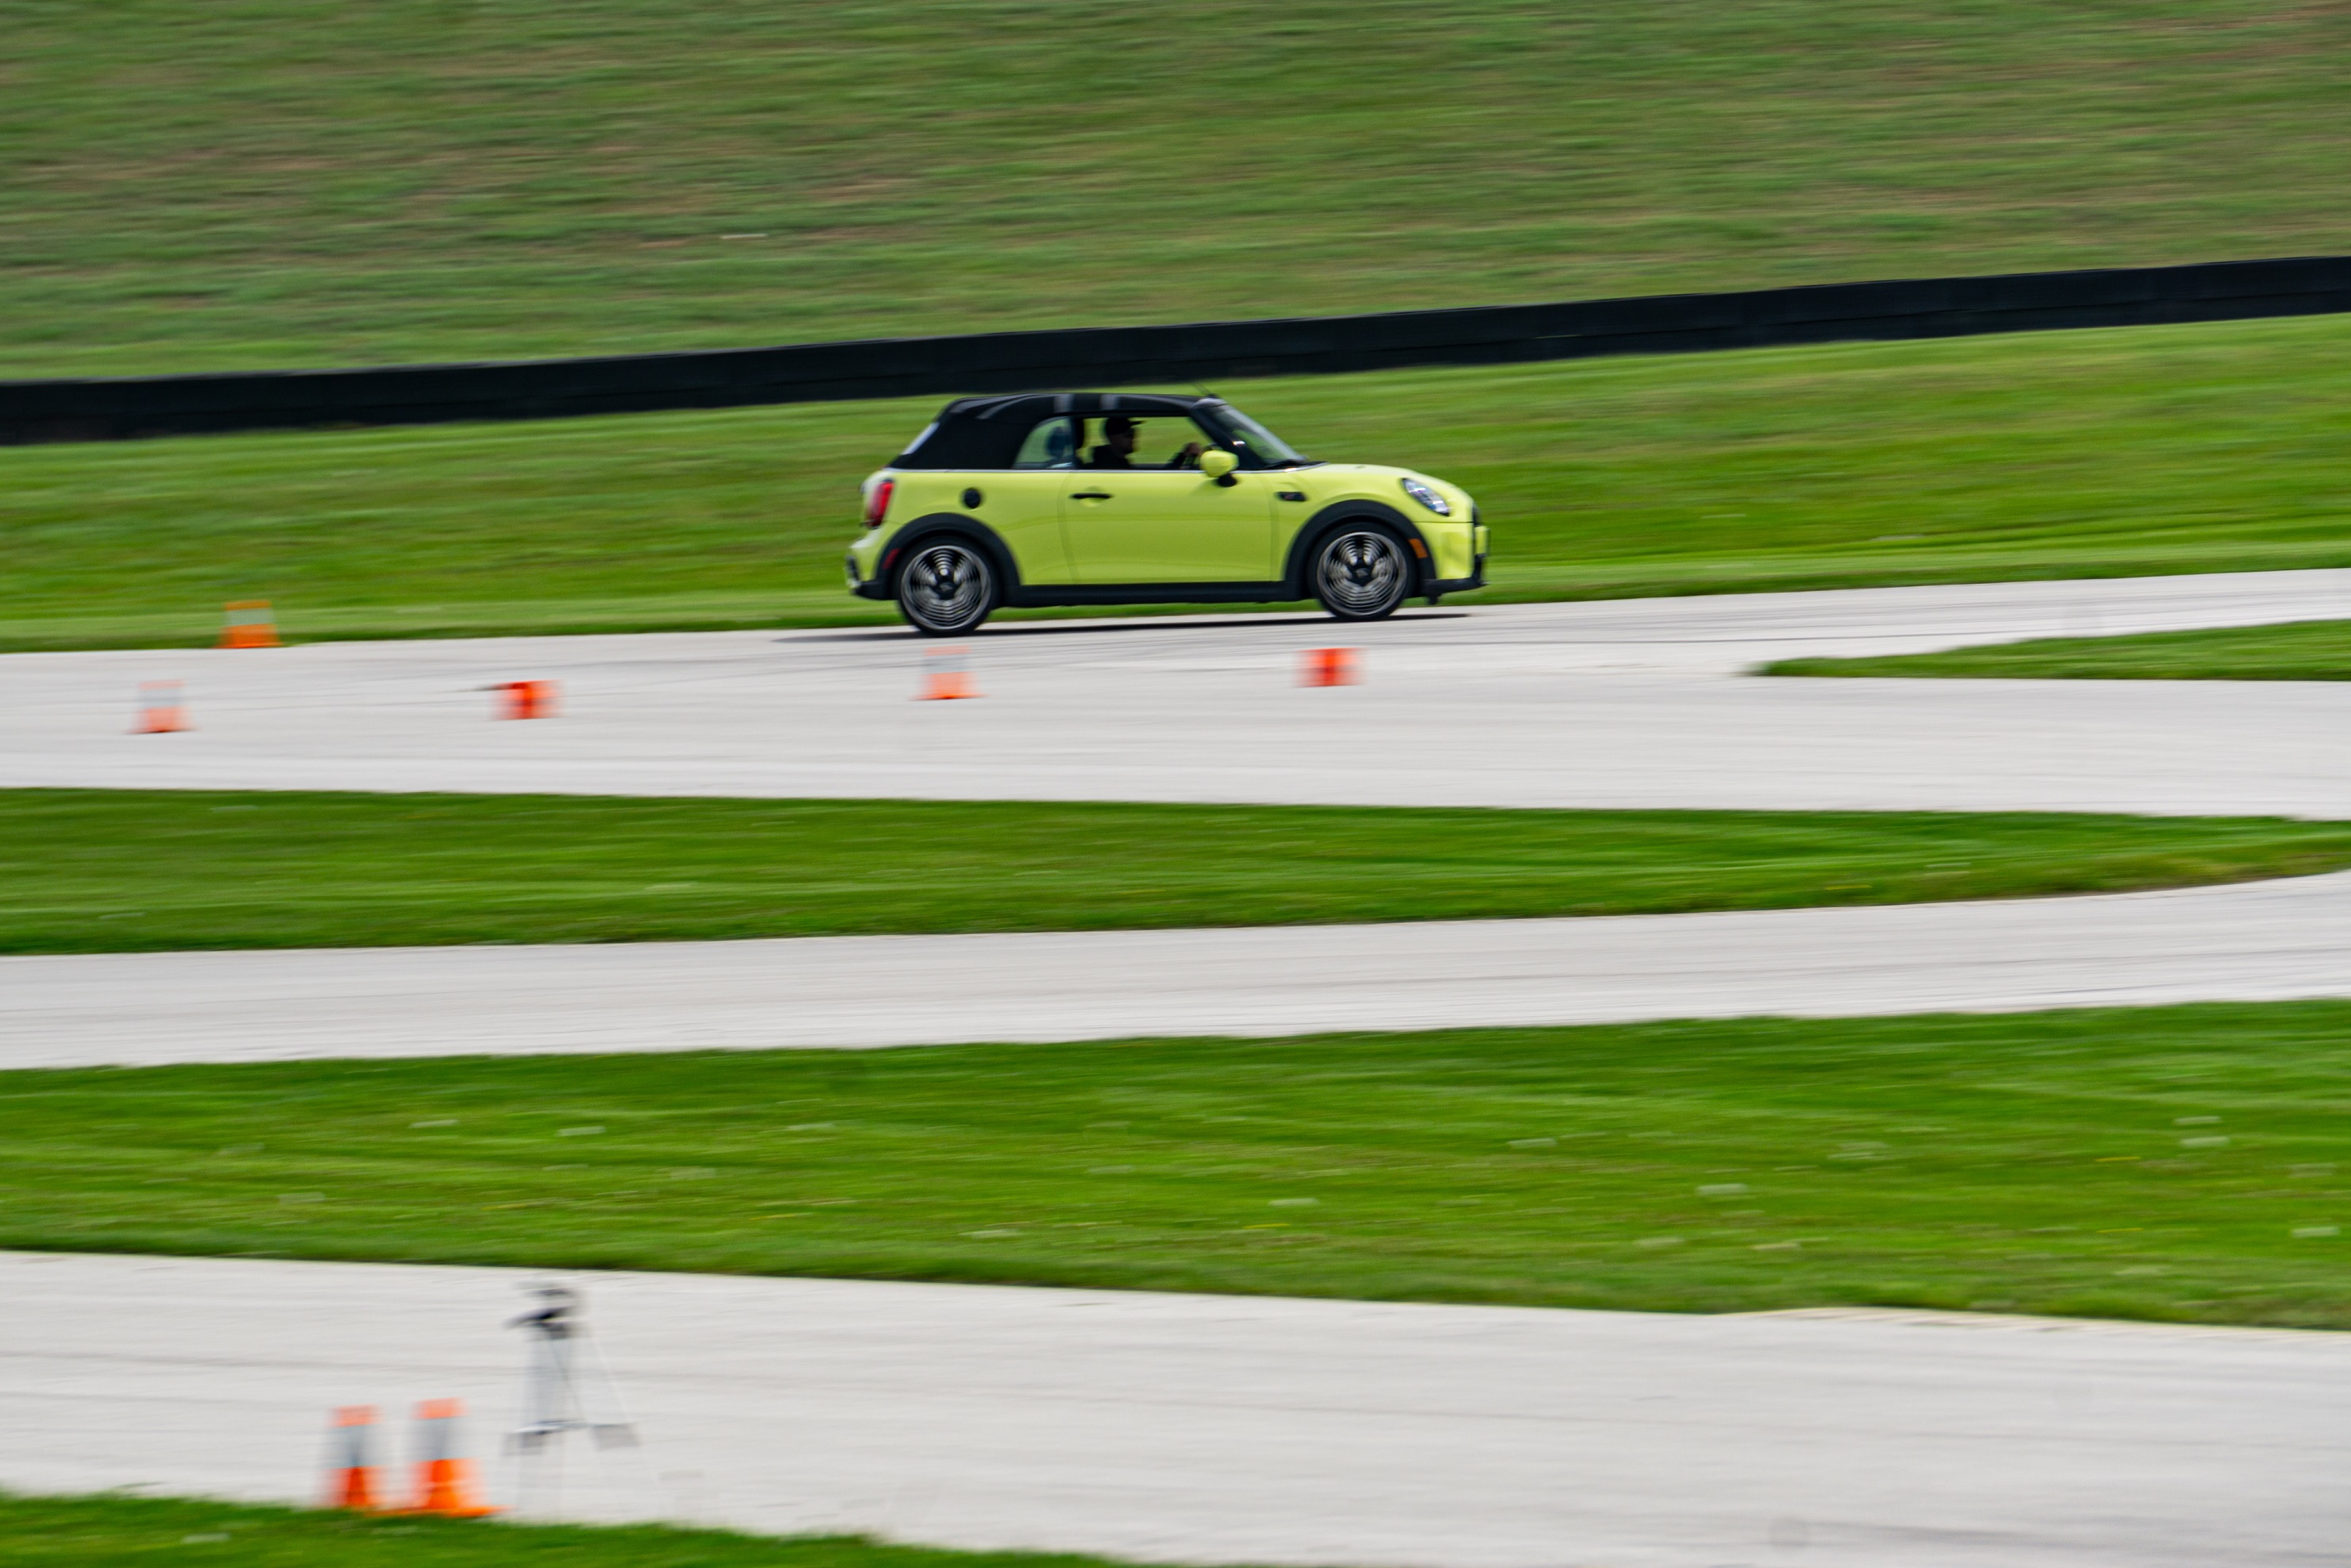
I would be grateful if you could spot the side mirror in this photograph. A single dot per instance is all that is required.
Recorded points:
(1218, 464)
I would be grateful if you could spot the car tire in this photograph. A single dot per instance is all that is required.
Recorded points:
(1360, 572)
(947, 587)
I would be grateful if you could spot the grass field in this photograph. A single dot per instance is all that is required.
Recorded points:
(2297, 651)
(287, 181)
(115, 869)
(2079, 454)
(110, 1530)
(2171, 1163)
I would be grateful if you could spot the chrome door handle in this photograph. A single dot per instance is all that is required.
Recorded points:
(1090, 494)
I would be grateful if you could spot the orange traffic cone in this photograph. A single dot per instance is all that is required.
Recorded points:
(527, 699)
(250, 625)
(1328, 668)
(351, 1476)
(444, 1478)
(947, 676)
(160, 710)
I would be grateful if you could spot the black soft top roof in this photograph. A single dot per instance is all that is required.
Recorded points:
(985, 432)
(1031, 406)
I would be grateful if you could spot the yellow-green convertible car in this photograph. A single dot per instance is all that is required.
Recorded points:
(1133, 499)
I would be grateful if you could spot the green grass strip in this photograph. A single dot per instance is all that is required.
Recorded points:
(106, 1532)
(115, 870)
(2296, 651)
(2181, 1163)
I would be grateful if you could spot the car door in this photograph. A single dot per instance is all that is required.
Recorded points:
(1023, 503)
(1167, 525)
(1024, 510)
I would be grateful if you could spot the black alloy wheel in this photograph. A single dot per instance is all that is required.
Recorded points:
(946, 588)
(1362, 572)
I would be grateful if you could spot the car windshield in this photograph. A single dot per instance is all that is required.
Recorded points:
(1256, 440)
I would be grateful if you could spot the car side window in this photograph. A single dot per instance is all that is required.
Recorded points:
(1053, 444)
(1144, 441)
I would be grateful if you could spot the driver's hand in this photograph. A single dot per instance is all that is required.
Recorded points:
(1190, 456)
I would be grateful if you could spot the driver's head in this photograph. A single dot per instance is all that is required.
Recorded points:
(1120, 432)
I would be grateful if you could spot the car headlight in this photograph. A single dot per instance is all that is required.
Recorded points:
(1426, 496)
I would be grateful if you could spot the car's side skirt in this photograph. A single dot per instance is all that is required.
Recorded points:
(1029, 596)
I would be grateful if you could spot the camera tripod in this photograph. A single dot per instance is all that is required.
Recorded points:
(565, 1388)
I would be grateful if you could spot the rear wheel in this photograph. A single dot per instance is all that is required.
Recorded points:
(1362, 572)
(947, 587)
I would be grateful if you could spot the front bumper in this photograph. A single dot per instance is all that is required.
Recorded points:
(1477, 579)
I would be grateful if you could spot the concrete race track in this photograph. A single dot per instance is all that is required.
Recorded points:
(2256, 942)
(1612, 703)
(1629, 702)
(1229, 1429)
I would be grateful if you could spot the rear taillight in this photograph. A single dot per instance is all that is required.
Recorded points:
(877, 505)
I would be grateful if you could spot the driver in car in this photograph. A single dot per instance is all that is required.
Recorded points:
(1117, 450)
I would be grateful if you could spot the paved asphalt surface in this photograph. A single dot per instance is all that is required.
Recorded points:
(1233, 1429)
(2254, 942)
(1633, 703)
(1229, 1429)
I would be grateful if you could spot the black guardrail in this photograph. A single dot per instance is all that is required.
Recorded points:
(117, 408)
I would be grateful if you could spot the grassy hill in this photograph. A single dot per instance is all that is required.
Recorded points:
(290, 182)
(2050, 455)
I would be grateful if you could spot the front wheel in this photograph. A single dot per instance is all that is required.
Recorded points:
(1362, 572)
(946, 588)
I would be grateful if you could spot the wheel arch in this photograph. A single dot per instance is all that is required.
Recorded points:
(1311, 535)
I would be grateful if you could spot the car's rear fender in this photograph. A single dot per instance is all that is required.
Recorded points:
(953, 525)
